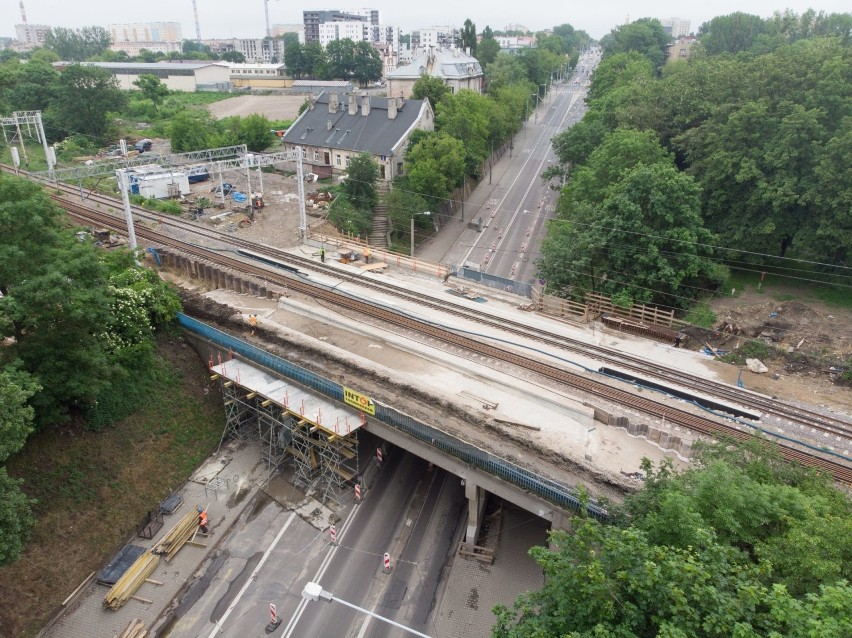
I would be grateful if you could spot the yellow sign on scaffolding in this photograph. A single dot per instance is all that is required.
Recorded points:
(358, 400)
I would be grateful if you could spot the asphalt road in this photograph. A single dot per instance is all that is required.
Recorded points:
(520, 204)
(412, 512)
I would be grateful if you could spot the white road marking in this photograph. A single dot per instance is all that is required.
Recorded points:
(251, 578)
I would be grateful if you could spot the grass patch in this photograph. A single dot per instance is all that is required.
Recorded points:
(701, 315)
(833, 295)
(751, 349)
(93, 487)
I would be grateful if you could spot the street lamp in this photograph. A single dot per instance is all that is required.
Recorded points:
(426, 212)
(315, 592)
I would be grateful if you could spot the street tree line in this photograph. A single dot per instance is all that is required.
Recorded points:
(469, 126)
(745, 149)
(77, 325)
(345, 59)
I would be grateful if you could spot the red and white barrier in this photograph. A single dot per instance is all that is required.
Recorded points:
(273, 614)
(379, 455)
(333, 535)
(387, 567)
(357, 492)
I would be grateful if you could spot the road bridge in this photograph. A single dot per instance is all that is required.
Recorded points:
(313, 417)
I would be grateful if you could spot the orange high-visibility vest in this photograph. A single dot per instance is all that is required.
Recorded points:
(202, 519)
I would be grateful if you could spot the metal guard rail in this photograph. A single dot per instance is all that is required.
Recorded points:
(473, 456)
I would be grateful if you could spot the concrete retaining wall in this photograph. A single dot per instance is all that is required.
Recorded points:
(213, 277)
(664, 440)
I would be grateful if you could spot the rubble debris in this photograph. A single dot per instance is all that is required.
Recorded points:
(756, 365)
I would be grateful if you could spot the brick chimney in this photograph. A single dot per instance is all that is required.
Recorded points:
(353, 106)
(392, 108)
(332, 103)
(365, 105)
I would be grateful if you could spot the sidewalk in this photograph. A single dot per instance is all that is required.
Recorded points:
(225, 484)
(474, 588)
(450, 244)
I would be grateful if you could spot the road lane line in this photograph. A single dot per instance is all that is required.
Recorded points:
(251, 578)
(326, 561)
(512, 185)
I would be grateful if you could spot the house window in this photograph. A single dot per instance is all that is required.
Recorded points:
(316, 156)
(337, 159)
(304, 153)
(347, 160)
(399, 168)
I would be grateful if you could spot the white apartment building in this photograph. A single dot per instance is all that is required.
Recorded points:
(675, 27)
(30, 36)
(330, 31)
(255, 50)
(146, 32)
(435, 37)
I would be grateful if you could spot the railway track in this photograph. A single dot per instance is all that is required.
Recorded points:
(673, 415)
(832, 430)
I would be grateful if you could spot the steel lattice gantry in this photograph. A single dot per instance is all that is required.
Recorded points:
(319, 435)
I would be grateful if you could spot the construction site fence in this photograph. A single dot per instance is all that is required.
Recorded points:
(596, 305)
(549, 490)
(493, 281)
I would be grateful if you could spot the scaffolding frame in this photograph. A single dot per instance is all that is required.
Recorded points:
(323, 459)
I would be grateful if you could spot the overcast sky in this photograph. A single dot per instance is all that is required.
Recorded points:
(227, 18)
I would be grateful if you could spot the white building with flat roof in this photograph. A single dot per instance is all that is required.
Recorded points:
(146, 32)
(675, 27)
(30, 36)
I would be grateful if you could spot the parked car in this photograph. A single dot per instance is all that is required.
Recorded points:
(143, 145)
(224, 189)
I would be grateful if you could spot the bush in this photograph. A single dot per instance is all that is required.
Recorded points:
(751, 349)
(348, 219)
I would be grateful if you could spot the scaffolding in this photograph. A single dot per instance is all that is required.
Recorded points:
(319, 436)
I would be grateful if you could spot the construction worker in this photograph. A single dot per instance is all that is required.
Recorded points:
(322, 254)
(202, 520)
(366, 254)
(253, 323)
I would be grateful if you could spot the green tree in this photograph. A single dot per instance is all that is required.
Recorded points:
(16, 415)
(360, 186)
(646, 36)
(190, 130)
(487, 48)
(255, 131)
(644, 242)
(84, 98)
(467, 37)
(77, 45)
(233, 56)
(314, 61)
(16, 519)
(340, 57)
(686, 559)
(366, 64)
(152, 88)
(730, 33)
(434, 166)
(504, 70)
(430, 87)
(466, 116)
(294, 59)
(35, 87)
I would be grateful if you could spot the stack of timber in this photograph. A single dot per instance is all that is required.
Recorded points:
(177, 536)
(126, 586)
(135, 629)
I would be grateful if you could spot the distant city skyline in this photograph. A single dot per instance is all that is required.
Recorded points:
(220, 19)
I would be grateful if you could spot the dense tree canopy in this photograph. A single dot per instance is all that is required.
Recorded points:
(645, 36)
(77, 45)
(340, 60)
(360, 186)
(85, 97)
(764, 133)
(720, 550)
(467, 37)
(430, 87)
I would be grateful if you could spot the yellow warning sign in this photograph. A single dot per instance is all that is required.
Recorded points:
(358, 400)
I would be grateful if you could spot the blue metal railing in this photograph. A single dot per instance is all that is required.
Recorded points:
(547, 489)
